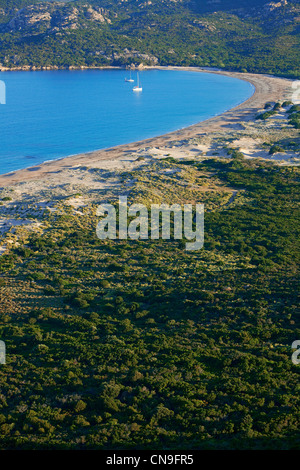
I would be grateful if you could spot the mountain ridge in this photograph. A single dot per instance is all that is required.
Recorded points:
(263, 37)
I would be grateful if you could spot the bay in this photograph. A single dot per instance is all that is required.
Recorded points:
(53, 114)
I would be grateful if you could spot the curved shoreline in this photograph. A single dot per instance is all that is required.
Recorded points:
(267, 88)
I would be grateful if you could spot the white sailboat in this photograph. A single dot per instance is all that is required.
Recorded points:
(129, 79)
(138, 87)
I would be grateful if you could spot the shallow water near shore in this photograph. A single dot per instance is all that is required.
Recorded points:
(54, 114)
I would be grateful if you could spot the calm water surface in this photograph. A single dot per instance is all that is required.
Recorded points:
(54, 114)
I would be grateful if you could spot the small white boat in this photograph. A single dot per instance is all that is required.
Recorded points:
(129, 79)
(138, 87)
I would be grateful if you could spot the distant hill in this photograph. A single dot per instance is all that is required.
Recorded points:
(259, 36)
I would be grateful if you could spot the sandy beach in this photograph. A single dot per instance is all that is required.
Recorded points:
(267, 88)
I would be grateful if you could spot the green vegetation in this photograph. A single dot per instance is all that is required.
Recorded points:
(294, 116)
(135, 344)
(275, 149)
(266, 115)
(256, 38)
(271, 112)
(131, 344)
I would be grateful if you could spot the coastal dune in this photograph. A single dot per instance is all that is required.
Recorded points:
(267, 89)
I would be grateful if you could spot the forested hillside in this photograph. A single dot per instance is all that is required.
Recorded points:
(262, 37)
(136, 345)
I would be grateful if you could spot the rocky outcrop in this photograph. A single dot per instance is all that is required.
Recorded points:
(273, 6)
(136, 56)
(96, 15)
(27, 17)
(205, 25)
(56, 16)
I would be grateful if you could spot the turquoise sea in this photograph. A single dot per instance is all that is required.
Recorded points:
(52, 114)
